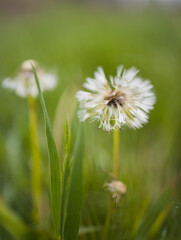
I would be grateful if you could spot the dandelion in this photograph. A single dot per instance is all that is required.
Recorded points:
(122, 100)
(118, 189)
(24, 83)
(125, 99)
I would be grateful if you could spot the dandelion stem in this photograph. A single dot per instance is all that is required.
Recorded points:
(35, 163)
(116, 153)
(115, 172)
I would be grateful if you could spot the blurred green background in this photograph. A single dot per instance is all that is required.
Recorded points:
(73, 39)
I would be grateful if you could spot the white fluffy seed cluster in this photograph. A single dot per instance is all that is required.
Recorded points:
(24, 82)
(125, 99)
(117, 188)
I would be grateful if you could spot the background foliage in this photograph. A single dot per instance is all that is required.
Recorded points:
(74, 40)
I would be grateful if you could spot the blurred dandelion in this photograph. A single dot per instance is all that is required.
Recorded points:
(125, 99)
(118, 189)
(24, 83)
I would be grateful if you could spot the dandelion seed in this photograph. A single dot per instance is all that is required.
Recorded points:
(24, 83)
(117, 188)
(124, 100)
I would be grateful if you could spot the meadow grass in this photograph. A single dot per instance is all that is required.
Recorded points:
(74, 41)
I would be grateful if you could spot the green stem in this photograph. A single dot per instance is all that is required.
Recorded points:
(36, 163)
(116, 154)
(115, 172)
(12, 222)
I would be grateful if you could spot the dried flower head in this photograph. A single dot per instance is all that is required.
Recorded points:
(24, 83)
(117, 188)
(123, 100)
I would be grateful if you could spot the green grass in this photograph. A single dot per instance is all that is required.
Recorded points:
(75, 40)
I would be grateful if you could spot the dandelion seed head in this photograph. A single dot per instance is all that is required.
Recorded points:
(24, 82)
(125, 100)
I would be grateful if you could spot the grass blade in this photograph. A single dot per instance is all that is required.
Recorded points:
(55, 178)
(65, 180)
(12, 222)
(152, 215)
(72, 220)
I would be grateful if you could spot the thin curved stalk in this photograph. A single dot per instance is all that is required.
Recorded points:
(115, 172)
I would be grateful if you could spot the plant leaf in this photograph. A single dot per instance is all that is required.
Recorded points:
(11, 221)
(65, 179)
(152, 215)
(75, 194)
(63, 112)
(55, 179)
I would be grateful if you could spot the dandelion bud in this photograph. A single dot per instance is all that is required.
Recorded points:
(118, 189)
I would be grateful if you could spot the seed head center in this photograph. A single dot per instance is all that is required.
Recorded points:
(115, 99)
